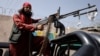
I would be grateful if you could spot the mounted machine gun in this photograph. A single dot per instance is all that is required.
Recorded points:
(55, 17)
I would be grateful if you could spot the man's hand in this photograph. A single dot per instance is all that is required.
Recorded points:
(40, 27)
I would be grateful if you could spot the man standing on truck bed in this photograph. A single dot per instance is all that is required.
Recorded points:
(21, 32)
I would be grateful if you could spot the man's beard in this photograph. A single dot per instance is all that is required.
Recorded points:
(28, 14)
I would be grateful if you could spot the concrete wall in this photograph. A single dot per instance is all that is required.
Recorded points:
(5, 27)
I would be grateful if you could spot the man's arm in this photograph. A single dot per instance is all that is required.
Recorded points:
(21, 25)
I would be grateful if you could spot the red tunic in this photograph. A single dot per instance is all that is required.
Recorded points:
(22, 47)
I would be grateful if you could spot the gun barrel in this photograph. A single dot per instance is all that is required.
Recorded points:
(75, 13)
(85, 13)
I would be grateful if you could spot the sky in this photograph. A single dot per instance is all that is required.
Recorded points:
(44, 8)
